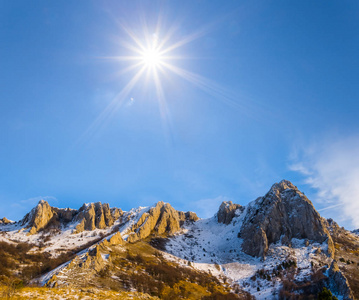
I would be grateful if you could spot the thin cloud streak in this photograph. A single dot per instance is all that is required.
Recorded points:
(331, 207)
(332, 168)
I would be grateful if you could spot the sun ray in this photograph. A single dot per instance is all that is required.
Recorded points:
(215, 90)
(182, 42)
(164, 111)
(202, 82)
(134, 38)
(111, 108)
(122, 58)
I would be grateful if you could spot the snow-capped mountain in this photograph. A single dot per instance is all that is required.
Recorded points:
(277, 246)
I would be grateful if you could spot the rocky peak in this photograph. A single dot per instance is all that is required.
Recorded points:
(227, 211)
(282, 186)
(39, 217)
(282, 214)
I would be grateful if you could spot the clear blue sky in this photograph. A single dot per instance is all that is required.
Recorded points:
(277, 98)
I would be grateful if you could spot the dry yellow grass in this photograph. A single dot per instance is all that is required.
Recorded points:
(42, 293)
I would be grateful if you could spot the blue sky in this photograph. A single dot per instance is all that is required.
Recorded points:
(269, 92)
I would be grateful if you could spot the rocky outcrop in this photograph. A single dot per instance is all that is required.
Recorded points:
(188, 216)
(160, 219)
(39, 217)
(227, 211)
(94, 260)
(114, 240)
(95, 215)
(338, 283)
(282, 214)
(116, 213)
(5, 221)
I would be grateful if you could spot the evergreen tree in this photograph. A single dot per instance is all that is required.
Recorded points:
(326, 294)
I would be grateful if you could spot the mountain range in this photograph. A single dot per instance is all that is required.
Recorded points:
(276, 247)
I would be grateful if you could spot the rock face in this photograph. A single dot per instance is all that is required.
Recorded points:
(39, 217)
(282, 214)
(95, 215)
(160, 219)
(227, 211)
(338, 283)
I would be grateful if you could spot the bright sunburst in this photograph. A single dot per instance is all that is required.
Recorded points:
(154, 57)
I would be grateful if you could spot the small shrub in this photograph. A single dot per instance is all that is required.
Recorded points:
(326, 294)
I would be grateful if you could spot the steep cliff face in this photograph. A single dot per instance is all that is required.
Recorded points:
(282, 214)
(160, 219)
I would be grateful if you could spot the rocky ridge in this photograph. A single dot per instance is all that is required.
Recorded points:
(283, 224)
(160, 219)
(282, 214)
(89, 217)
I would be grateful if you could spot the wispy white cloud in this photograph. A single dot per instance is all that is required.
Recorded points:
(206, 208)
(34, 200)
(330, 207)
(332, 168)
(16, 209)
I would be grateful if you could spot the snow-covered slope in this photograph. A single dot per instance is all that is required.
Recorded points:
(215, 247)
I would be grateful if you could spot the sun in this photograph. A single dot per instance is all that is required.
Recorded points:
(152, 58)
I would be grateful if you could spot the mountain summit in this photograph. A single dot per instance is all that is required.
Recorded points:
(282, 214)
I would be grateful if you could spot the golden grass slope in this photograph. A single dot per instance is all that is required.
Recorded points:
(41, 293)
